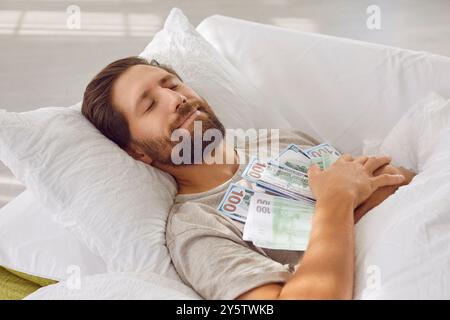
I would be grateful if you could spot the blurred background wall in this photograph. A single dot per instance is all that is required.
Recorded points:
(52, 64)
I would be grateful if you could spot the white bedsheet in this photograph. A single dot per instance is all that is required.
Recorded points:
(117, 286)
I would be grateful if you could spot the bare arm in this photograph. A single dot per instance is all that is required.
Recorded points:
(327, 267)
(326, 271)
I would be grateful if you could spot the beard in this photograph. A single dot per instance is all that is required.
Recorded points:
(160, 149)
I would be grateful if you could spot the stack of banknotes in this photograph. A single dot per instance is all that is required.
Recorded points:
(277, 212)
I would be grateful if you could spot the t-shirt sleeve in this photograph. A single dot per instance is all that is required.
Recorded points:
(215, 262)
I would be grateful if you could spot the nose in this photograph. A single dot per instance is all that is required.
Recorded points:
(172, 100)
(181, 100)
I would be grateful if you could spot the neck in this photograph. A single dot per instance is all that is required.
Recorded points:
(202, 177)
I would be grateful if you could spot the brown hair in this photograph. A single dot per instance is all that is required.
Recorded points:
(97, 104)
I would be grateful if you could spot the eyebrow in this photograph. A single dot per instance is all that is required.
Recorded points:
(142, 96)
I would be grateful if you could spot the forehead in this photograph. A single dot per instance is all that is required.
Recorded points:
(130, 84)
(137, 76)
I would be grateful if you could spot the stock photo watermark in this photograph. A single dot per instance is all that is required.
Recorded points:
(373, 278)
(208, 147)
(373, 21)
(73, 19)
(73, 282)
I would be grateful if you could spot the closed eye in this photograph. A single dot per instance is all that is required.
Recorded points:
(150, 107)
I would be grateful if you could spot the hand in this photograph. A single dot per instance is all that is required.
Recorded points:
(351, 179)
(383, 193)
(390, 169)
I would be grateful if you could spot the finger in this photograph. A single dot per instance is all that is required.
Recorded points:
(387, 180)
(346, 157)
(361, 159)
(380, 169)
(359, 213)
(373, 163)
(313, 169)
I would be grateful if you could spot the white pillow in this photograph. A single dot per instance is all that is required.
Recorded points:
(412, 138)
(32, 242)
(116, 205)
(402, 249)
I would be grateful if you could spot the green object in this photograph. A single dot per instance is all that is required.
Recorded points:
(278, 223)
(324, 161)
(16, 285)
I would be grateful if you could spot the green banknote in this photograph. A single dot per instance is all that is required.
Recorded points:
(284, 181)
(294, 158)
(323, 149)
(278, 223)
(278, 215)
(324, 161)
(236, 202)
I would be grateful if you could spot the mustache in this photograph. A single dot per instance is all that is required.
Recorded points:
(186, 109)
(189, 106)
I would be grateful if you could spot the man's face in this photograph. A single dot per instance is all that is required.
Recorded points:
(155, 104)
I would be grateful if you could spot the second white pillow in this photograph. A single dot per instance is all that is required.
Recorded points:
(116, 205)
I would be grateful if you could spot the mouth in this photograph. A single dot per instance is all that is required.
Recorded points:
(189, 118)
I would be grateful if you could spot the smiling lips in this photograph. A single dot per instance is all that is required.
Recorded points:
(189, 119)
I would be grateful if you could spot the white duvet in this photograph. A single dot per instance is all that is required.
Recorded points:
(403, 245)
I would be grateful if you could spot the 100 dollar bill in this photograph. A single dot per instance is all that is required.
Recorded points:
(278, 223)
(294, 158)
(285, 181)
(236, 202)
(323, 149)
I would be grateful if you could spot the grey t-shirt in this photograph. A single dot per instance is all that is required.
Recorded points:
(207, 247)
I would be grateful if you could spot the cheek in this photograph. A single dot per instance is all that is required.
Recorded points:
(151, 127)
(143, 129)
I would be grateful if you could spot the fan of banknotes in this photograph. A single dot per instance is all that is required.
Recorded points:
(277, 212)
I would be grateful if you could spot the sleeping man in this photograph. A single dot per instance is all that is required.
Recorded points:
(140, 104)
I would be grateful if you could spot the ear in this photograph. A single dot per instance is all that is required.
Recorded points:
(137, 153)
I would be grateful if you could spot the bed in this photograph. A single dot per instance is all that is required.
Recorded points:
(338, 90)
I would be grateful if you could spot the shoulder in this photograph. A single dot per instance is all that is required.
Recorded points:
(298, 137)
(193, 218)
